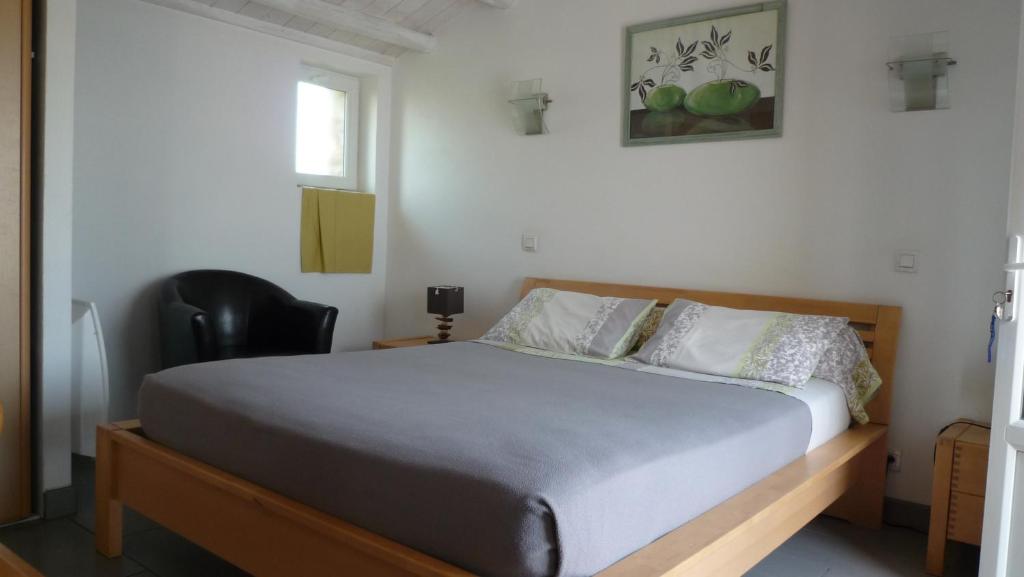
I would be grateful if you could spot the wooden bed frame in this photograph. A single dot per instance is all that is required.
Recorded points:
(270, 535)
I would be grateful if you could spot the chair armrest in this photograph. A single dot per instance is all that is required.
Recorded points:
(185, 335)
(309, 327)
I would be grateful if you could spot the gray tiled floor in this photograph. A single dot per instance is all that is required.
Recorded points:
(825, 548)
(833, 548)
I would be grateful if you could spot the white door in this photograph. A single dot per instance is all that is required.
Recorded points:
(1002, 548)
(1004, 503)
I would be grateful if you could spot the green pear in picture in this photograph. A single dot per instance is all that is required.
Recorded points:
(664, 98)
(722, 98)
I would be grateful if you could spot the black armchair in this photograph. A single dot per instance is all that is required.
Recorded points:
(209, 315)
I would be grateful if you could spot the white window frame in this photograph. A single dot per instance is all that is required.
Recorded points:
(350, 86)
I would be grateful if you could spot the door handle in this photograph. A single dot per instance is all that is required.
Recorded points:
(1006, 307)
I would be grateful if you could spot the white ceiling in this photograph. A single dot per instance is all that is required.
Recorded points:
(378, 29)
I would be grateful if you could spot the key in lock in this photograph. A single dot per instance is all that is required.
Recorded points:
(1001, 299)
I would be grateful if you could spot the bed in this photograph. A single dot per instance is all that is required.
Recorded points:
(415, 475)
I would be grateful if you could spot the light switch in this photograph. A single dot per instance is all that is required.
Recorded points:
(906, 262)
(530, 243)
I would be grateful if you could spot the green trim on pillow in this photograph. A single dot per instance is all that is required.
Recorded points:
(754, 363)
(866, 384)
(648, 328)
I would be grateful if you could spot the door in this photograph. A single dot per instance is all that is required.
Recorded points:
(1004, 502)
(15, 128)
(1002, 553)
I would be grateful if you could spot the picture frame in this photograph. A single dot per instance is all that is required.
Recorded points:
(687, 79)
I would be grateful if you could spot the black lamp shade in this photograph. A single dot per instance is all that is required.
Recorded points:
(445, 301)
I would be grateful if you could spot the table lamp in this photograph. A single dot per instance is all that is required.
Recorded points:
(445, 301)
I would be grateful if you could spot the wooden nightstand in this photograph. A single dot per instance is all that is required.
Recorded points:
(401, 343)
(958, 490)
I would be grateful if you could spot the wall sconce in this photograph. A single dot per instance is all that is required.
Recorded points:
(529, 104)
(918, 72)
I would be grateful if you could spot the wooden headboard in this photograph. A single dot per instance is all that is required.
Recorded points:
(878, 325)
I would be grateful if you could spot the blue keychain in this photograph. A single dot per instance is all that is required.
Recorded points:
(992, 336)
(1000, 299)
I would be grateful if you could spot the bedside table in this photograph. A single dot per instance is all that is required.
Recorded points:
(401, 343)
(958, 490)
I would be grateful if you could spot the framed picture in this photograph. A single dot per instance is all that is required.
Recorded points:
(712, 76)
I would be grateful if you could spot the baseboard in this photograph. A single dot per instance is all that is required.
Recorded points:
(902, 513)
(59, 502)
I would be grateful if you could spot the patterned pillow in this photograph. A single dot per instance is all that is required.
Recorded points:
(648, 329)
(846, 364)
(756, 345)
(576, 323)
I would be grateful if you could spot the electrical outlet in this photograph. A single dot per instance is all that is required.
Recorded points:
(895, 460)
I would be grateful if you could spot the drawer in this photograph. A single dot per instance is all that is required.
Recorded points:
(970, 468)
(965, 515)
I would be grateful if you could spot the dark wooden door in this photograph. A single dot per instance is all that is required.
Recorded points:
(15, 147)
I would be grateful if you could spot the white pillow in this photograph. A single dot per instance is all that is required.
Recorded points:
(576, 323)
(756, 345)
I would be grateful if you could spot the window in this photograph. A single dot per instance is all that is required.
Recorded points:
(327, 129)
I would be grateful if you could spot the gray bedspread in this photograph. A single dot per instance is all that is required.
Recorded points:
(502, 463)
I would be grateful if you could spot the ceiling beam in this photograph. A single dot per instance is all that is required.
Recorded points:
(500, 3)
(357, 22)
(243, 21)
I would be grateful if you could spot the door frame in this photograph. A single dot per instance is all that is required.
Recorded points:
(27, 76)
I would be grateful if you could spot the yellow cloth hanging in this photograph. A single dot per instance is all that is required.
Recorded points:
(337, 231)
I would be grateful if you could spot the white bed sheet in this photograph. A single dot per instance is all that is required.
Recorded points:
(830, 415)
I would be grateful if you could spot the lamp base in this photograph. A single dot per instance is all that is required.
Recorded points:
(443, 330)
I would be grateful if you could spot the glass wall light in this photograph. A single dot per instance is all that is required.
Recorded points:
(529, 104)
(919, 72)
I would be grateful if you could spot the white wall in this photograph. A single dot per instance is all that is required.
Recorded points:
(52, 224)
(184, 159)
(820, 212)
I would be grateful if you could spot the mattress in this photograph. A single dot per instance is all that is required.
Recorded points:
(830, 414)
(501, 463)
